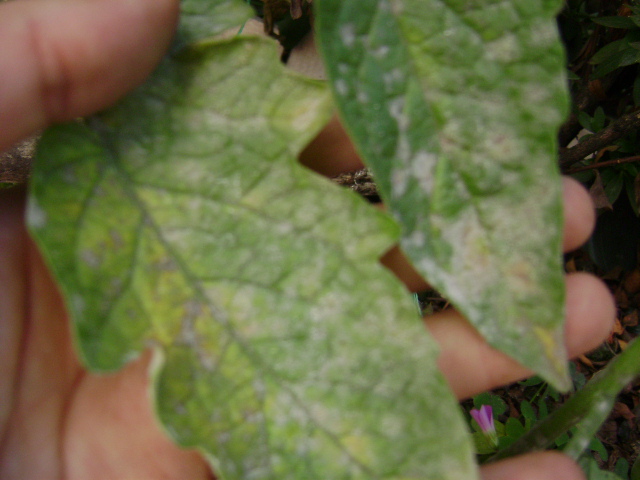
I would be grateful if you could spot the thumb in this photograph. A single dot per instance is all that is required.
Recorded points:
(67, 58)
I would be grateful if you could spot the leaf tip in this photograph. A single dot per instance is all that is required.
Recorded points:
(557, 372)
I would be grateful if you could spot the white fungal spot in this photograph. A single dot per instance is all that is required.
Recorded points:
(399, 182)
(505, 49)
(416, 239)
(348, 34)
(362, 97)
(395, 108)
(422, 168)
(91, 258)
(341, 87)
(603, 407)
(36, 216)
(382, 51)
(78, 305)
(393, 78)
(542, 35)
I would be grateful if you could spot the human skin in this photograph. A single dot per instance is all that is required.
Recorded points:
(66, 58)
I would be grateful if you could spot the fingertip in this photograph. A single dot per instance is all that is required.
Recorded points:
(66, 59)
(534, 466)
(396, 261)
(331, 152)
(591, 312)
(579, 214)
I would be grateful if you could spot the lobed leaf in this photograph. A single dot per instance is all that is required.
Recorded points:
(181, 221)
(455, 105)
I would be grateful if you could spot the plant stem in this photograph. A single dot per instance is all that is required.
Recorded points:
(610, 163)
(595, 400)
(617, 129)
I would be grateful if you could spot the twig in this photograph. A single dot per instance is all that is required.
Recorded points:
(609, 163)
(15, 164)
(616, 130)
(585, 100)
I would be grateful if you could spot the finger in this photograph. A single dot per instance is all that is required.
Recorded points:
(38, 365)
(13, 278)
(478, 367)
(397, 262)
(112, 413)
(579, 214)
(534, 466)
(63, 59)
(331, 152)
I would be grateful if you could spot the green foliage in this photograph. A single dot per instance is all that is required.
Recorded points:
(610, 182)
(583, 413)
(635, 470)
(622, 52)
(497, 404)
(621, 468)
(618, 56)
(593, 472)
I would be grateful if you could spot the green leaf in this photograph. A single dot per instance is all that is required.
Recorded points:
(498, 405)
(599, 119)
(613, 180)
(455, 107)
(482, 444)
(616, 22)
(513, 428)
(635, 470)
(621, 467)
(597, 446)
(201, 19)
(531, 381)
(593, 472)
(609, 50)
(528, 413)
(181, 221)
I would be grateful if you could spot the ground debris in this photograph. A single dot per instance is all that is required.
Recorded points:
(15, 163)
(361, 182)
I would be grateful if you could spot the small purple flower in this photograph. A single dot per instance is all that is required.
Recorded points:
(484, 419)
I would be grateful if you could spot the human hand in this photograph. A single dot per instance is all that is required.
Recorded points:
(67, 58)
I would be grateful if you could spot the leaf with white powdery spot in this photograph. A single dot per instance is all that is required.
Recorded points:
(455, 105)
(181, 221)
